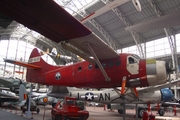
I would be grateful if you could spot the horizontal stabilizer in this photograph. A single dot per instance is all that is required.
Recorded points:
(20, 63)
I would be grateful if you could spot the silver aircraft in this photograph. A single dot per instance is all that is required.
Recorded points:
(113, 99)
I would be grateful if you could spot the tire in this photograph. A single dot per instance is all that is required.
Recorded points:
(58, 117)
(140, 112)
(53, 118)
(23, 110)
(37, 110)
(53, 104)
(82, 118)
(161, 112)
(120, 111)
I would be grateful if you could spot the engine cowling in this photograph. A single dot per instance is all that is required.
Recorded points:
(156, 72)
(166, 94)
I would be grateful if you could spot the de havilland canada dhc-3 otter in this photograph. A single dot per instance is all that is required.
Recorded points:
(107, 68)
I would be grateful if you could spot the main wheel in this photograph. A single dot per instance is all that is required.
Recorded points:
(58, 117)
(120, 111)
(37, 110)
(161, 112)
(23, 110)
(140, 112)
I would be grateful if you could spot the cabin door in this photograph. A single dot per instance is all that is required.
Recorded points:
(132, 65)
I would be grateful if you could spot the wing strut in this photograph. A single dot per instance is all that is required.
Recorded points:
(135, 91)
(98, 62)
(123, 85)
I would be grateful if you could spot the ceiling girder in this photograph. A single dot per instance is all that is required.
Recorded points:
(135, 36)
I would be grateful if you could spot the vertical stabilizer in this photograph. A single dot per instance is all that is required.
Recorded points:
(37, 75)
(22, 93)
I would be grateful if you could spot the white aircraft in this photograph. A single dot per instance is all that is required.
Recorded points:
(153, 95)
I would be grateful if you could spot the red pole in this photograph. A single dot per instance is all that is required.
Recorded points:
(104, 106)
(175, 111)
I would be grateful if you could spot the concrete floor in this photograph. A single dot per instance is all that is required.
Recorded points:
(96, 113)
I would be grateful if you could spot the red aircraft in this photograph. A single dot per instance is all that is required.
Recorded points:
(107, 68)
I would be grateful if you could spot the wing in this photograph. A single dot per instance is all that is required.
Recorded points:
(165, 21)
(52, 21)
(4, 81)
(158, 87)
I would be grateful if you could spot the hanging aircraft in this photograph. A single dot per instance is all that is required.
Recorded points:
(107, 68)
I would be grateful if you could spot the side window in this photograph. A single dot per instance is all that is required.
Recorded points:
(118, 63)
(96, 66)
(90, 66)
(79, 68)
(104, 65)
(110, 64)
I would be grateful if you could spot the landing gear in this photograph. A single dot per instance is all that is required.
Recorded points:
(161, 112)
(140, 112)
(120, 111)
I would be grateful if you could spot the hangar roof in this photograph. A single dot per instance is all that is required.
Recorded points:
(110, 25)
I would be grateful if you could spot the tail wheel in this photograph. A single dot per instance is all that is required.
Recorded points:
(161, 112)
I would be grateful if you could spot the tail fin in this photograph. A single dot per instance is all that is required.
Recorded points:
(22, 93)
(36, 67)
(37, 75)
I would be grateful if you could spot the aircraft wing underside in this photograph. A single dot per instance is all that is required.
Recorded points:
(158, 87)
(51, 20)
(152, 94)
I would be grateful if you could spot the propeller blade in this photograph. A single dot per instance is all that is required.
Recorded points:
(169, 69)
(165, 21)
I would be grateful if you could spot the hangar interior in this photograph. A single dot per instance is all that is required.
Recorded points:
(110, 23)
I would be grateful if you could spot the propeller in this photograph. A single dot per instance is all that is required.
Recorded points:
(169, 69)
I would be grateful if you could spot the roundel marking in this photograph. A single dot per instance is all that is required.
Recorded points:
(89, 96)
(45, 100)
(58, 76)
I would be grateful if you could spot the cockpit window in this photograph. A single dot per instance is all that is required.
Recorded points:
(137, 57)
(132, 60)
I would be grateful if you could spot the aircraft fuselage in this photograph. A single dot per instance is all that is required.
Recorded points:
(136, 72)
